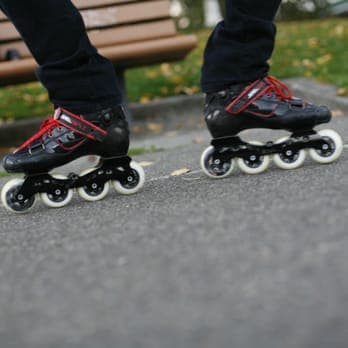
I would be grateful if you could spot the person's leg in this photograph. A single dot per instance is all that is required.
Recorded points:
(89, 118)
(239, 47)
(240, 95)
(75, 75)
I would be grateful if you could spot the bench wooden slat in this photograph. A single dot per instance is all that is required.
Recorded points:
(127, 55)
(150, 52)
(134, 12)
(85, 4)
(130, 33)
(111, 36)
(104, 17)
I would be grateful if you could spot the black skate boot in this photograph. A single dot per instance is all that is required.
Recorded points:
(62, 139)
(265, 103)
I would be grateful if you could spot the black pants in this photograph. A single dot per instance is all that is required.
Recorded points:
(75, 75)
(239, 47)
(79, 79)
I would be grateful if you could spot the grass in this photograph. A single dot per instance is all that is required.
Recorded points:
(134, 151)
(314, 49)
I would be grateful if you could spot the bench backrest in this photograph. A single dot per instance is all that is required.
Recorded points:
(109, 22)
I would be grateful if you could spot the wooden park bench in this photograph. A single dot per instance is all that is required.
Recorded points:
(130, 33)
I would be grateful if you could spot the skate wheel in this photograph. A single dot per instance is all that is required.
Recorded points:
(331, 151)
(93, 191)
(254, 164)
(289, 159)
(59, 197)
(134, 181)
(10, 200)
(215, 169)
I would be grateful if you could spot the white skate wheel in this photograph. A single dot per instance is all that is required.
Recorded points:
(248, 166)
(134, 181)
(291, 160)
(215, 170)
(59, 198)
(9, 200)
(332, 152)
(92, 192)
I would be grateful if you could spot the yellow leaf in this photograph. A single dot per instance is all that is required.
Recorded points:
(313, 42)
(155, 127)
(341, 92)
(144, 99)
(177, 79)
(151, 74)
(180, 172)
(337, 113)
(324, 59)
(146, 163)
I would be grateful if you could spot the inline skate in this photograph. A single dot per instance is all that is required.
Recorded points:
(62, 139)
(265, 103)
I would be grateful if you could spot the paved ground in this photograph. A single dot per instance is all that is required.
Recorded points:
(249, 261)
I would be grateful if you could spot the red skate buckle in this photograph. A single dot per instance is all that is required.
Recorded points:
(251, 93)
(79, 125)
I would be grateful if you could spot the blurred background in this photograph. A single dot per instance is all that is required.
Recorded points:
(312, 42)
(196, 14)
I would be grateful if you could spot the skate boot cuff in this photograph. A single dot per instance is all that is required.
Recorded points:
(79, 125)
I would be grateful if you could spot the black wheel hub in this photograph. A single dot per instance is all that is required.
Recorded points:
(18, 201)
(94, 188)
(327, 147)
(289, 155)
(253, 160)
(217, 166)
(57, 194)
(130, 180)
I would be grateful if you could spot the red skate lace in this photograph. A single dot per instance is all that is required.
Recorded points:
(282, 91)
(45, 128)
(267, 86)
(77, 125)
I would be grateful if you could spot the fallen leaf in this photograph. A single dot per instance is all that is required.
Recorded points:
(198, 140)
(144, 100)
(146, 163)
(155, 127)
(171, 133)
(324, 59)
(180, 172)
(337, 113)
(341, 92)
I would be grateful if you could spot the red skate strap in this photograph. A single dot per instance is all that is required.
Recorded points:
(251, 93)
(79, 125)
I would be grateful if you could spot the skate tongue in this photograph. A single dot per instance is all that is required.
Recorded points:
(59, 114)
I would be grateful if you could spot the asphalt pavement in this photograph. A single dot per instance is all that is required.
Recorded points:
(246, 262)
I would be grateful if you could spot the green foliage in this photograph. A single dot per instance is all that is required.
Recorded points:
(303, 9)
(314, 49)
